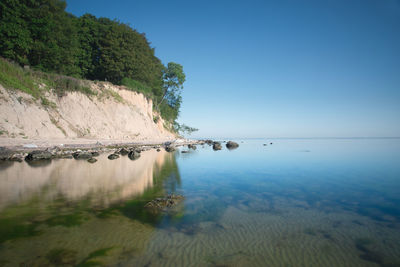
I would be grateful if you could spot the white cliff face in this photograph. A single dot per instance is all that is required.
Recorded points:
(113, 114)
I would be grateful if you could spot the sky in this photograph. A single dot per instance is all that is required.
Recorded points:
(259, 69)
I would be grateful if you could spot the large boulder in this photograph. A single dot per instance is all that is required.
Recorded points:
(217, 146)
(39, 155)
(134, 154)
(232, 145)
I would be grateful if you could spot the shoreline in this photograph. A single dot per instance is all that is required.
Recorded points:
(26, 145)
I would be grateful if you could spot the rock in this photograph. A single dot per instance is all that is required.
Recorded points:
(270, 143)
(82, 155)
(217, 146)
(95, 154)
(134, 155)
(185, 151)
(123, 152)
(64, 156)
(191, 146)
(232, 145)
(158, 150)
(170, 148)
(209, 142)
(16, 157)
(39, 155)
(163, 204)
(113, 156)
(5, 153)
(92, 160)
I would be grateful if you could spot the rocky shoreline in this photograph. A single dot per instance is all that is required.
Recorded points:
(88, 152)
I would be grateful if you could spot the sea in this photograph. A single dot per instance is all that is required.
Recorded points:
(269, 202)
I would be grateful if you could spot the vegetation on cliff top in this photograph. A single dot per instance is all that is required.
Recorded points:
(41, 34)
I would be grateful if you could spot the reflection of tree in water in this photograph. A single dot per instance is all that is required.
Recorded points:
(166, 180)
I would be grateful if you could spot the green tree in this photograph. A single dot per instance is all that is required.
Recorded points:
(15, 36)
(170, 102)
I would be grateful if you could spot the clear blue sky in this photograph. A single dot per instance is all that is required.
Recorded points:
(275, 68)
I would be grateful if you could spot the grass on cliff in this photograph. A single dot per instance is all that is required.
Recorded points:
(137, 86)
(13, 77)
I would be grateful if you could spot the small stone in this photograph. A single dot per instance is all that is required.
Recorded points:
(113, 156)
(123, 152)
(232, 145)
(92, 160)
(133, 155)
(217, 146)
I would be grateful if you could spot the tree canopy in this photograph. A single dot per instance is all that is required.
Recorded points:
(40, 33)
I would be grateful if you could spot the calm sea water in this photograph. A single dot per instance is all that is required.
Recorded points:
(293, 203)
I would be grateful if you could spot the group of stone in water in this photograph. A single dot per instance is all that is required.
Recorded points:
(90, 155)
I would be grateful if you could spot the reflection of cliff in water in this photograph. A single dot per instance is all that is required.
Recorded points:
(167, 181)
(103, 183)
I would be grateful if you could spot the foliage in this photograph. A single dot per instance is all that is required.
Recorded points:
(184, 129)
(13, 76)
(137, 87)
(40, 33)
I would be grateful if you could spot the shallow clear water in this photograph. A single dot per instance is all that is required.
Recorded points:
(296, 202)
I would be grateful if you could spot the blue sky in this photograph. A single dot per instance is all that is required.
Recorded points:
(275, 68)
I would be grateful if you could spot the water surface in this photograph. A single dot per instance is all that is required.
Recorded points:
(293, 203)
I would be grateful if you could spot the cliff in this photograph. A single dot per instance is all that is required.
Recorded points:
(114, 113)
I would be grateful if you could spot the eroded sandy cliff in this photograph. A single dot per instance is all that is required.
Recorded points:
(114, 113)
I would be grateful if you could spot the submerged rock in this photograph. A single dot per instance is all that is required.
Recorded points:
(113, 156)
(92, 160)
(82, 155)
(185, 151)
(232, 145)
(217, 146)
(162, 204)
(39, 155)
(134, 155)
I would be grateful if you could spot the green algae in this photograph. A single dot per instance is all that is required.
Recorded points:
(90, 260)
(68, 220)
